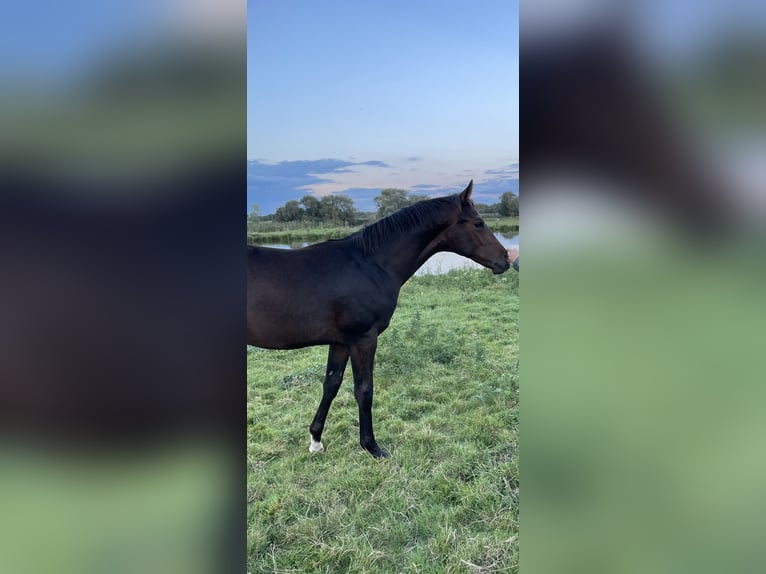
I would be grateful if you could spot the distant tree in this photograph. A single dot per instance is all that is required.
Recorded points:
(338, 209)
(415, 198)
(311, 207)
(254, 214)
(509, 204)
(488, 209)
(481, 207)
(290, 211)
(392, 199)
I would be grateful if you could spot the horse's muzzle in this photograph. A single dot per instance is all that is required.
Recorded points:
(499, 267)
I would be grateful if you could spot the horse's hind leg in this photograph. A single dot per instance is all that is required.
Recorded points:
(362, 362)
(336, 364)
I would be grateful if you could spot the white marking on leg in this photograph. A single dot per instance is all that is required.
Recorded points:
(329, 374)
(316, 446)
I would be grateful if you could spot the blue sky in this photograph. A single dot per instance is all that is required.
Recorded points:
(351, 97)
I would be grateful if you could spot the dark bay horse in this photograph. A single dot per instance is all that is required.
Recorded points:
(343, 292)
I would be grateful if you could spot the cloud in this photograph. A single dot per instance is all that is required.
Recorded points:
(414, 158)
(374, 163)
(503, 179)
(508, 171)
(297, 167)
(270, 185)
(489, 191)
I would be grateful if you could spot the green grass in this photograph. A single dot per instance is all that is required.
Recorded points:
(297, 234)
(502, 224)
(446, 408)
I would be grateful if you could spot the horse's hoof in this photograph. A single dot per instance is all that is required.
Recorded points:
(316, 446)
(376, 451)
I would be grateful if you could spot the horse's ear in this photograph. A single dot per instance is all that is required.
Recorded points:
(465, 196)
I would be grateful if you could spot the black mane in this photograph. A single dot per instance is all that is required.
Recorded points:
(423, 214)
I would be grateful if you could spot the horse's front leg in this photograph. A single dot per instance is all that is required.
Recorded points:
(336, 365)
(362, 361)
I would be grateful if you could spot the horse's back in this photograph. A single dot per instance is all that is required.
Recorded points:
(296, 268)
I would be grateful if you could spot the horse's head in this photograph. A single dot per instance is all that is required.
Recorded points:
(467, 235)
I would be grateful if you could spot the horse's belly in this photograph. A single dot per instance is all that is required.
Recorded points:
(285, 328)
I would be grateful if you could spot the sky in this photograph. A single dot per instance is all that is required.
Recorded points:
(353, 97)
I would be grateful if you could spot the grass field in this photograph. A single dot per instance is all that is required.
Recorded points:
(297, 235)
(446, 408)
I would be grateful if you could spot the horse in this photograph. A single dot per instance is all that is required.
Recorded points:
(343, 292)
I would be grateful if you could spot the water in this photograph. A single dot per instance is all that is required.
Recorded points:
(441, 262)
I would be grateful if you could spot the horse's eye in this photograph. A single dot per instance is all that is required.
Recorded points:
(479, 224)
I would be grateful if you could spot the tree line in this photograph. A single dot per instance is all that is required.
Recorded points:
(339, 209)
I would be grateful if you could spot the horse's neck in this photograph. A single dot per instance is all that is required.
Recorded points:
(403, 256)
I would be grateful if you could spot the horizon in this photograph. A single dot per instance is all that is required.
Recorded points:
(368, 203)
(287, 181)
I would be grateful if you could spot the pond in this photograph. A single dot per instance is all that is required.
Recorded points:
(441, 262)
